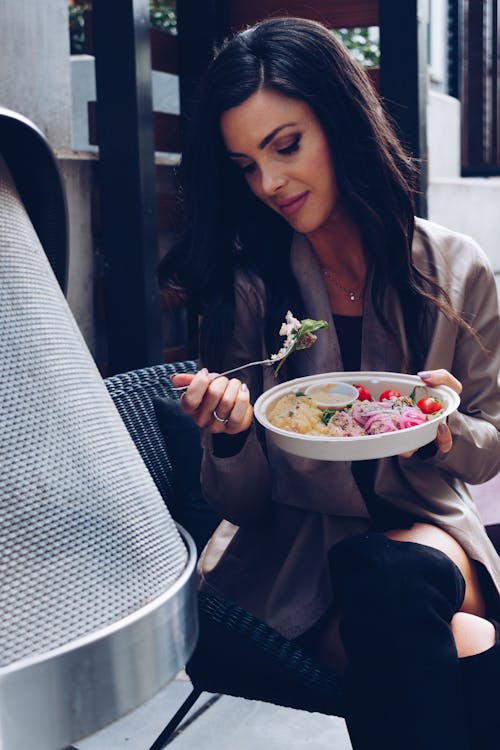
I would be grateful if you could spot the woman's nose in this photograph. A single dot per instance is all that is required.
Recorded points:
(272, 182)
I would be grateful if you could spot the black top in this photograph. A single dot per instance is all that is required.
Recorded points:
(349, 328)
(384, 516)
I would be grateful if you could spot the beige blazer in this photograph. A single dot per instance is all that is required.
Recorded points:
(284, 512)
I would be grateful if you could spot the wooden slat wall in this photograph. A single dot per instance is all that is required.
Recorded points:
(336, 14)
(480, 88)
(164, 51)
(167, 132)
(168, 208)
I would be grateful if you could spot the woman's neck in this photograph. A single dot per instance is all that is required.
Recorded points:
(339, 247)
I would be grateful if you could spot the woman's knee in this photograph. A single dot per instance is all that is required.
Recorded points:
(381, 578)
(472, 634)
(433, 536)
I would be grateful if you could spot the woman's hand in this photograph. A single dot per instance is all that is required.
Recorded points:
(444, 438)
(220, 404)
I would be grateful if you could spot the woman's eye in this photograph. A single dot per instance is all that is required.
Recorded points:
(248, 169)
(294, 145)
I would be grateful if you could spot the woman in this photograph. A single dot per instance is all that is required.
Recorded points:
(298, 196)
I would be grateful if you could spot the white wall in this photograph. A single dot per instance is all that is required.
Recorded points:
(470, 205)
(443, 135)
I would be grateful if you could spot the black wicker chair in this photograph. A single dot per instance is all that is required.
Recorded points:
(236, 653)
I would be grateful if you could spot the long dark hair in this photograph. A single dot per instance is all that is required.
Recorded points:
(226, 227)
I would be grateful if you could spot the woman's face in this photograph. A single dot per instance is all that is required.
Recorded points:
(279, 145)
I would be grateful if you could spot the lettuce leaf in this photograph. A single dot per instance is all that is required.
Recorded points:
(302, 337)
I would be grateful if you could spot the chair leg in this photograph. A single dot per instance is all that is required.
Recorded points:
(172, 725)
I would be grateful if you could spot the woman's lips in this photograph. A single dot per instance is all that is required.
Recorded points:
(292, 205)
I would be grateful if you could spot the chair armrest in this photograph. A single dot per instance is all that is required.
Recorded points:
(239, 655)
(133, 393)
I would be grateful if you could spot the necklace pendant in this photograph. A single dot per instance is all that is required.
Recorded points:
(352, 296)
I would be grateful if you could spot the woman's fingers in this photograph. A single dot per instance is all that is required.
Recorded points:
(219, 404)
(441, 377)
(193, 396)
(181, 379)
(230, 404)
(241, 415)
(444, 438)
(444, 441)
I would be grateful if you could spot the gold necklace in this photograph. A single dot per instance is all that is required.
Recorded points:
(353, 294)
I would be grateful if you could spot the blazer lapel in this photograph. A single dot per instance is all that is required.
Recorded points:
(324, 356)
(378, 351)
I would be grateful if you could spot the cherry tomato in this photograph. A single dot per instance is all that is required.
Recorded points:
(387, 395)
(429, 405)
(363, 394)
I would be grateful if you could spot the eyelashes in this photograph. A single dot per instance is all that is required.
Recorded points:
(286, 151)
(294, 146)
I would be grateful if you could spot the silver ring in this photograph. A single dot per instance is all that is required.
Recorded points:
(219, 419)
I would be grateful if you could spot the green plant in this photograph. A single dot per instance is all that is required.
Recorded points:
(163, 16)
(77, 28)
(363, 45)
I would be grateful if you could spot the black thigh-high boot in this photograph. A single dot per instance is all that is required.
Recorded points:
(481, 681)
(403, 684)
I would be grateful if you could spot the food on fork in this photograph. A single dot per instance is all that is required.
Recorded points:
(299, 334)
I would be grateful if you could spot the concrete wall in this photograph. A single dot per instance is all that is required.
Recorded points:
(35, 76)
(35, 81)
(470, 206)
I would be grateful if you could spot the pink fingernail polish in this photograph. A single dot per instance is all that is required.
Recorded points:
(244, 387)
(442, 428)
(424, 375)
(204, 371)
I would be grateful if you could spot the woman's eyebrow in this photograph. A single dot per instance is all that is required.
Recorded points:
(265, 141)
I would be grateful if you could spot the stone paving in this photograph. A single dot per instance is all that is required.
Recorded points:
(228, 723)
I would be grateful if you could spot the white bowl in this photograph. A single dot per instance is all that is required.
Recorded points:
(365, 446)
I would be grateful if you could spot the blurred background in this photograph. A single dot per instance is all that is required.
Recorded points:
(110, 84)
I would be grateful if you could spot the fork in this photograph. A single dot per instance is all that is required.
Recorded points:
(266, 362)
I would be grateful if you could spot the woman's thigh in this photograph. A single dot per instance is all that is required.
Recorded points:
(433, 536)
(326, 643)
